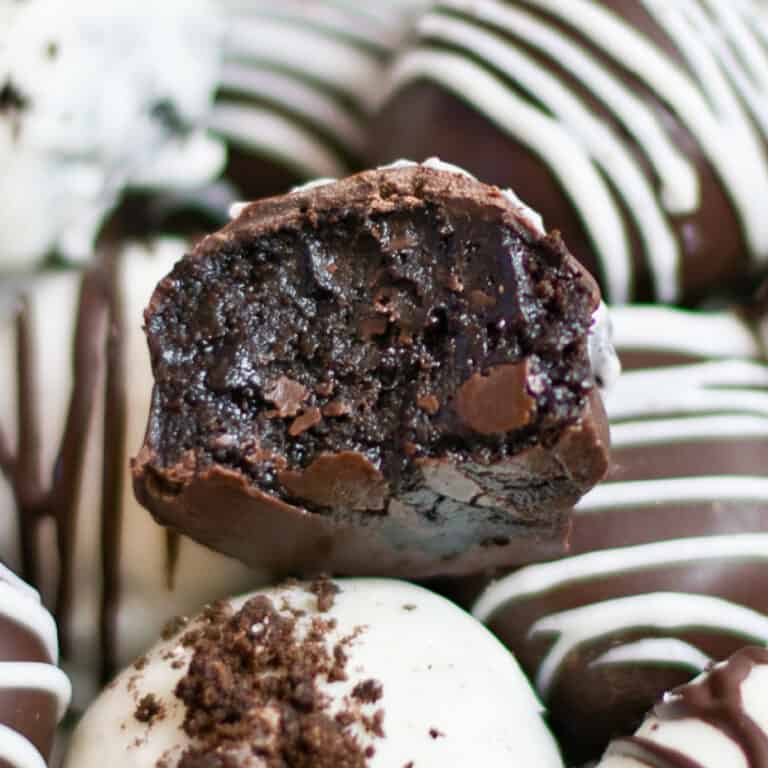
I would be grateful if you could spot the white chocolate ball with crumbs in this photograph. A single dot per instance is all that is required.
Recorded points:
(449, 694)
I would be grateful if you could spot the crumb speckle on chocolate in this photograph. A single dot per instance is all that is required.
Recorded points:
(13, 103)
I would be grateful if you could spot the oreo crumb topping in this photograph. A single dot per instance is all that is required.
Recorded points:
(11, 99)
(12, 104)
(369, 691)
(149, 710)
(251, 689)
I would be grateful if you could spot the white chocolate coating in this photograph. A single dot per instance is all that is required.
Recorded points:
(439, 670)
(20, 604)
(114, 94)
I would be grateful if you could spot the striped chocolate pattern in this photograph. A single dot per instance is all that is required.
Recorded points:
(299, 79)
(34, 692)
(612, 96)
(670, 555)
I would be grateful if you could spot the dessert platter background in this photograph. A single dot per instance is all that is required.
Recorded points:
(638, 129)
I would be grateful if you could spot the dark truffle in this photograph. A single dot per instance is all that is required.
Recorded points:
(34, 693)
(635, 129)
(468, 429)
(669, 565)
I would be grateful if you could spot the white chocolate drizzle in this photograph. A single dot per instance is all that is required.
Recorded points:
(483, 52)
(655, 651)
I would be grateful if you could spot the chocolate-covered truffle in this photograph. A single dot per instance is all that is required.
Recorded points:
(305, 675)
(385, 375)
(669, 565)
(637, 129)
(75, 386)
(719, 720)
(299, 84)
(34, 693)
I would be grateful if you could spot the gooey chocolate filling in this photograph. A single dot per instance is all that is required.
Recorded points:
(395, 335)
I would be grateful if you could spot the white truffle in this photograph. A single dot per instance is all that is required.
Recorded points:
(449, 694)
(99, 96)
(718, 720)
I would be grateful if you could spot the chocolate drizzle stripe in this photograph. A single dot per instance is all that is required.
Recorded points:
(172, 553)
(88, 351)
(652, 754)
(28, 484)
(115, 460)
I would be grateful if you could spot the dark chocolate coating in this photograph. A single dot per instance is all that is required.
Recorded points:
(427, 114)
(309, 497)
(669, 559)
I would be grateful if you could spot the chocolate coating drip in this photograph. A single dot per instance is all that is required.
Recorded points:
(716, 699)
(35, 498)
(115, 459)
(63, 498)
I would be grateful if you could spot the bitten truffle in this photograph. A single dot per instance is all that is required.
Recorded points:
(307, 674)
(637, 129)
(387, 375)
(669, 557)
(34, 693)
